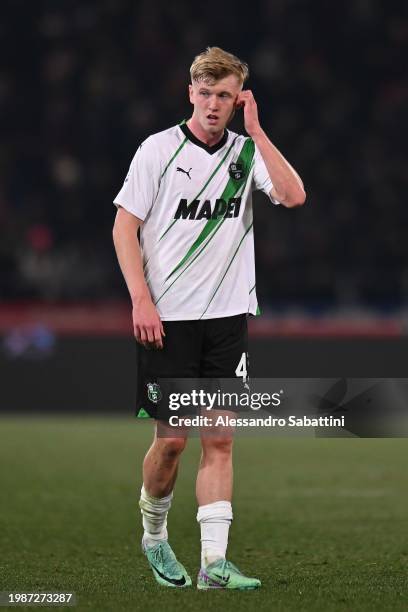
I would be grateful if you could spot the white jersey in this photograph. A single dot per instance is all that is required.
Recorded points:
(197, 238)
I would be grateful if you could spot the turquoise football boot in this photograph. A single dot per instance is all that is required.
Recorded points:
(166, 569)
(223, 574)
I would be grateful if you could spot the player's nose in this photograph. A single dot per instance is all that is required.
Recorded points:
(213, 103)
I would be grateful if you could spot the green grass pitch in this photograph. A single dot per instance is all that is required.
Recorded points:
(322, 522)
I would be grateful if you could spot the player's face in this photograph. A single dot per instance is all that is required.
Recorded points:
(214, 105)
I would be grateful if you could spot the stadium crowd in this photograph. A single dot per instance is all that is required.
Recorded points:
(85, 81)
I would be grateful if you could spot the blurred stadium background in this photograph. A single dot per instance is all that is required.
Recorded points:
(83, 82)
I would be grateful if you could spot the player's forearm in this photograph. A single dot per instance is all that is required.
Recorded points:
(288, 186)
(130, 260)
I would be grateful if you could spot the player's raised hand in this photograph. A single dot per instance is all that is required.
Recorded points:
(246, 101)
(147, 325)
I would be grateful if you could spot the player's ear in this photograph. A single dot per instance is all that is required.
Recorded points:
(191, 93)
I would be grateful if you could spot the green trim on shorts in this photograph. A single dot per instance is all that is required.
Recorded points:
(142, 414)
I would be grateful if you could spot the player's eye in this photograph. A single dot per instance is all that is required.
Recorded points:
(204, 93)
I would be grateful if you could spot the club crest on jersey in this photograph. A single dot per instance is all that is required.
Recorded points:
(153, 392)
(236, 171)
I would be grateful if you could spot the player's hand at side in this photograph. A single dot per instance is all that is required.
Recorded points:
(147, 325)
(246, 101)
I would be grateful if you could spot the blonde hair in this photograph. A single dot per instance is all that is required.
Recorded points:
(215, 64)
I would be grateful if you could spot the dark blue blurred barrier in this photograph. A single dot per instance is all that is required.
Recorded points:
(97, 374)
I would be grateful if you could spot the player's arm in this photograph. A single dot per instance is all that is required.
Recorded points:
(147, 325)
(287, 184)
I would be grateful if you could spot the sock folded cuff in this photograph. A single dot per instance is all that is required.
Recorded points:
(220, 510)
(161, 502)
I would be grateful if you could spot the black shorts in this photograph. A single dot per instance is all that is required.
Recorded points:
(208, 349)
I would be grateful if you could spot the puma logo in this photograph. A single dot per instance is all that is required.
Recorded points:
(178, 169)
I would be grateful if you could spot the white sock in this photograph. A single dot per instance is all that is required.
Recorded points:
(154, 511)
(215, 520)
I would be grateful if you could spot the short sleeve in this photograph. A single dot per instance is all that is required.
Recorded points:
(141, 184)
(261, 178)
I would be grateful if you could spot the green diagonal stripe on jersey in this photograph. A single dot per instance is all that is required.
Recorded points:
(245, 159)
(173, 157)
(198, 253)
(228, 267)
(205, 184)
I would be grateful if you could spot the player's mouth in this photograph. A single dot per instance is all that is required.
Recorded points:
(212, 119)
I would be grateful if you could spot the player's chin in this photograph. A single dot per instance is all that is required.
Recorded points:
(214, 127)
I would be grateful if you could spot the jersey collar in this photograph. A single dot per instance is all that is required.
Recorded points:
(211, 150)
